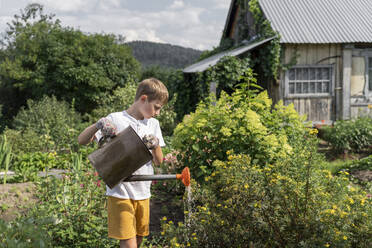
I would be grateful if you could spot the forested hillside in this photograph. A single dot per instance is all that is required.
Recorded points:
(167, 55)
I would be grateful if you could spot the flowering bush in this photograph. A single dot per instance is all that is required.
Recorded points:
(242, 123)
(281, 205)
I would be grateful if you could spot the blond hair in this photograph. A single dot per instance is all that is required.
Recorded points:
(154, 89)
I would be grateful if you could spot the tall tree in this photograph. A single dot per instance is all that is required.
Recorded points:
(41, 57)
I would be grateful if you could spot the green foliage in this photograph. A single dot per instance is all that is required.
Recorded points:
(5, 153)
(120, 100)
(43, 58)
(23, 234)
(290, 203)
(55, 122)
(350, 135)
(228, 73)
(76, 205)
(269, 56)
(243, 123)
(6, 156)
(352, 167)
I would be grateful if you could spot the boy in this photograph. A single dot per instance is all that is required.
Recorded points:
(128, 202)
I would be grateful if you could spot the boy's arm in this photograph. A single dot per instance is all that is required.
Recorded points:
(87, 135)
(157, 154)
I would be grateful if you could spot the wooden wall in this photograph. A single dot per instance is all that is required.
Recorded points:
(318, 109)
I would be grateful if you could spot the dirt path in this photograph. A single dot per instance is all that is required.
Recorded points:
(15, 198)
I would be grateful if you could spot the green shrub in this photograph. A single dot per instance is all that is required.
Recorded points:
(285, 204)
(351, 135)
(47, 125)
(23, 234)
(243, 123)
(76, 204)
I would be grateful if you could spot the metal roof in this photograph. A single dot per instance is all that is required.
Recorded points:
(320, 21)
(211, 61)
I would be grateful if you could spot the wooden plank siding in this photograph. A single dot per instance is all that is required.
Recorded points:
(316, 108)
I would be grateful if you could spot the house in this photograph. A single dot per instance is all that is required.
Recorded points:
(331, 78)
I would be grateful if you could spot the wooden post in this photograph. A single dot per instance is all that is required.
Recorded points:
(346, 80)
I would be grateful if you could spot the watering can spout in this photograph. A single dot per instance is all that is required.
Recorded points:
(185, 176)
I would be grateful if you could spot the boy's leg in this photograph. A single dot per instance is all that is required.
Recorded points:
(128, 243)
(139, 240)
(131, 243)
(142, 219)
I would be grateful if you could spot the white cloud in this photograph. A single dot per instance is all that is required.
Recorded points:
(221, 4)
(178, 4)
(141, 34)
(68, 5)
(191, 23)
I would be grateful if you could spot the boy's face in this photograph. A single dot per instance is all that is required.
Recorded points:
(150, 108)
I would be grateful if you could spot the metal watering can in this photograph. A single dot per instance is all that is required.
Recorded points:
(120, 157)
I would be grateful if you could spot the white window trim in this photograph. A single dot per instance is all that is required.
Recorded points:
(310, 95)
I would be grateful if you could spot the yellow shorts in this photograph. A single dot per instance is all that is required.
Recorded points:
(127, 218)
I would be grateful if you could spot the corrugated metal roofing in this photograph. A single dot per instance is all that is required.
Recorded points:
(211, 61)
(320, 21)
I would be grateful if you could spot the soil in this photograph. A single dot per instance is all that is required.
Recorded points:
(15, 199)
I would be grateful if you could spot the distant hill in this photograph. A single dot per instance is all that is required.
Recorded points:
(165, 55)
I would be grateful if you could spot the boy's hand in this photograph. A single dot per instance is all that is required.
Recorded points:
(107, 128)
(150, 141)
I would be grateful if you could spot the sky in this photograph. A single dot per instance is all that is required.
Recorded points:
(195, 24)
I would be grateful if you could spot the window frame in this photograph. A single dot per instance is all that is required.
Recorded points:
(367, 90)
(310, 95)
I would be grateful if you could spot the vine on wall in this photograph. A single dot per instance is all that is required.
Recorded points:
(270, 54)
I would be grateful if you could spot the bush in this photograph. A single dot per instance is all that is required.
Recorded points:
(23, 234)
(46, 125)
(76, 206)
(351, 135)
(243, 123)
(291, 203)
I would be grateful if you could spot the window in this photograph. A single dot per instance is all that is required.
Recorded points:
(312, 80)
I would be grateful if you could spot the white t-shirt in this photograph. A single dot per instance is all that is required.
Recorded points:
(139, 190)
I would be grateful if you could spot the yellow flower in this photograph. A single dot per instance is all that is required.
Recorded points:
(344, 237)
(218, 205)
(230, 157)
(326, 245)
(170, 222)
(246, 186)
(188, 244)
(177, 245)
(164, 218)
(162, 233)
(193, 234)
